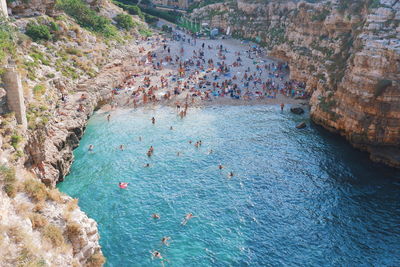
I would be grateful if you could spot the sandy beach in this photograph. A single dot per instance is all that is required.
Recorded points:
(200, 77)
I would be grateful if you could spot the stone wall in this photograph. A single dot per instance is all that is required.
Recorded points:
(15, 97)
(3, 8)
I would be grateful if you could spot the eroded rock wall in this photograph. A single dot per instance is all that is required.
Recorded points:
(348, 53)
(38, 225)
(23, 8)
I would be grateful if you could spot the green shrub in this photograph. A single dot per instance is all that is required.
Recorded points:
(54, 234)
(171, 16)
(7, 46)
(10, 189)
(145, 32)
(37, 220)
(320, 16)
(96, 260)
(131, 9)
(39, 56)
(199, 4)
(124, 21)
(35, 189)
(150, 19)
(73, 231)
(8, 176)
(15, 140)
(87, 18)
(39, 90)
(74, 51)
(165, 28)
(38, 32)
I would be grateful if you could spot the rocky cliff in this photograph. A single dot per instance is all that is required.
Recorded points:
(348, 53)
(66, 72)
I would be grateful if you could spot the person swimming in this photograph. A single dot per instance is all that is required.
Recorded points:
(140, 139)
(165, 239)
(155, 216)
(153, 120)
(187, 218)
(220, 166)
(171, 128)
(150, 151)
(146, 165)
(210, 152)
(156, 254)
(108, 117)
(230, 174)
(123, 185)
(121, 147)
(91, 147)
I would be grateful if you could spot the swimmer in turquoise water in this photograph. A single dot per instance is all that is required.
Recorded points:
(187, 218)
(140, 138)
(108, 117)
(146, 165)
(150, 151)
(91, 147)
(210, 152)
(220, 166)
(153, 120)
(156, 254)
(123, 185)
(121, 147)
(155, 216)
(230, 174)
(171, 128)
(165, 239)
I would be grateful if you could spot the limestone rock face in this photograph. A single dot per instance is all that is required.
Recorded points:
(349, 56)
(24, 242)
(23, 8)
(32, 7)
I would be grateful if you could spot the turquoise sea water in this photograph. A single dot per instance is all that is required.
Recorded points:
(298, 197)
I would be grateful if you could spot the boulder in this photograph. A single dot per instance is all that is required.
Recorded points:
(297, 110)
(301, 125)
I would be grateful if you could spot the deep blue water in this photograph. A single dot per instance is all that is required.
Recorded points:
(298, 197)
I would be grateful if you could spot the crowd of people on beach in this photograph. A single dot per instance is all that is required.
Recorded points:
(199, 72)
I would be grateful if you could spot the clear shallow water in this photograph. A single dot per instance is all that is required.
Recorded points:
(299, 197)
